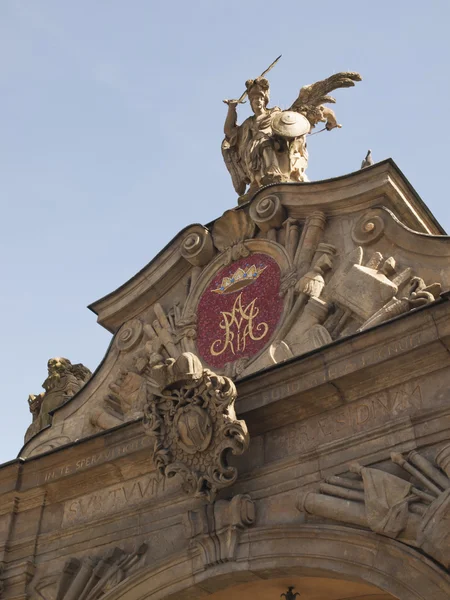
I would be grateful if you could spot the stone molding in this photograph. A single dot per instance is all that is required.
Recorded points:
(215, 529)
(361, 190)
(329, 549)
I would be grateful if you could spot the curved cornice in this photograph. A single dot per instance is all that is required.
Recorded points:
(328, 550)
(381, 184)
(144, 288)
(359, 190)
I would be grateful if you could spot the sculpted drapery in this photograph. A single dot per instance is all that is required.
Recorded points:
(270, 146)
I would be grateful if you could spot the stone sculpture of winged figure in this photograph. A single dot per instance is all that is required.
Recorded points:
(270, 146)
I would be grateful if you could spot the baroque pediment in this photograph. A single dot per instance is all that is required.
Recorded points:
(298, 267)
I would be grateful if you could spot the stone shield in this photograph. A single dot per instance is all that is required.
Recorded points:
(290, 125)
(194, 429)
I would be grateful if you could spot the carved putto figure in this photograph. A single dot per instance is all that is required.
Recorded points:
(270, 146)
(63, 381)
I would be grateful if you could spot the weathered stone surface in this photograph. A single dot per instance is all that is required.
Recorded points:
(301, 268)
(190, 414)
(270, 146)
(308, 332)
(63, 381)
(414, 509)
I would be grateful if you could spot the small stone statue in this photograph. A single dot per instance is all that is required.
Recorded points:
(270, 146)
(63, 381)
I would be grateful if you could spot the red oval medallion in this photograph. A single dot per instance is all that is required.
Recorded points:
(239, 311)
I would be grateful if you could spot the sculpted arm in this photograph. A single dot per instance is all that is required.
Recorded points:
(231, 127)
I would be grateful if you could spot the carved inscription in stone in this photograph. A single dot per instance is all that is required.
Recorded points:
(339, 369)
(98, 458)
(114, 499)
(356, 417)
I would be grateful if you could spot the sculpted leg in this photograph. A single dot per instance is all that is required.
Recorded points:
(272, 168)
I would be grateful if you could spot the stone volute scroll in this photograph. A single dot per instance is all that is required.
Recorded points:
(197, 246)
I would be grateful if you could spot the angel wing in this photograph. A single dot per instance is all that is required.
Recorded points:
(234, 166)
(311, 97)
(81, 372)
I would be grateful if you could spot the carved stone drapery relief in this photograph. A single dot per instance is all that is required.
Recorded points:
(88, 578)
(414, 509)
(215, 529)
(63, 381)
(190, 412)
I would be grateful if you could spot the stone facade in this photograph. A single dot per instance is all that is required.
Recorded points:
(273, 411)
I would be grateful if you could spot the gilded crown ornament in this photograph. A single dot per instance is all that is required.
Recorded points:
(270, 146)
(240, 279)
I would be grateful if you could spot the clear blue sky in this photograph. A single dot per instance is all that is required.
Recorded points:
(112, 120)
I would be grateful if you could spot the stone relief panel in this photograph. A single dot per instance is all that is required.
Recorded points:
(266, 287)
(88, 578)
(411, 504)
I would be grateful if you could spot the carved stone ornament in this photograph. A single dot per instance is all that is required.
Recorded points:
(265, 287)
(63, 381)
(197, 246)
(230, 231)
(88, 578)
(414, 509)
(215, 529)
(270, 146)
(268, 213)
(129, 335)
(191, 415)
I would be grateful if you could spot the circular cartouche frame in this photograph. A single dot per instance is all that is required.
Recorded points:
(254, 246)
